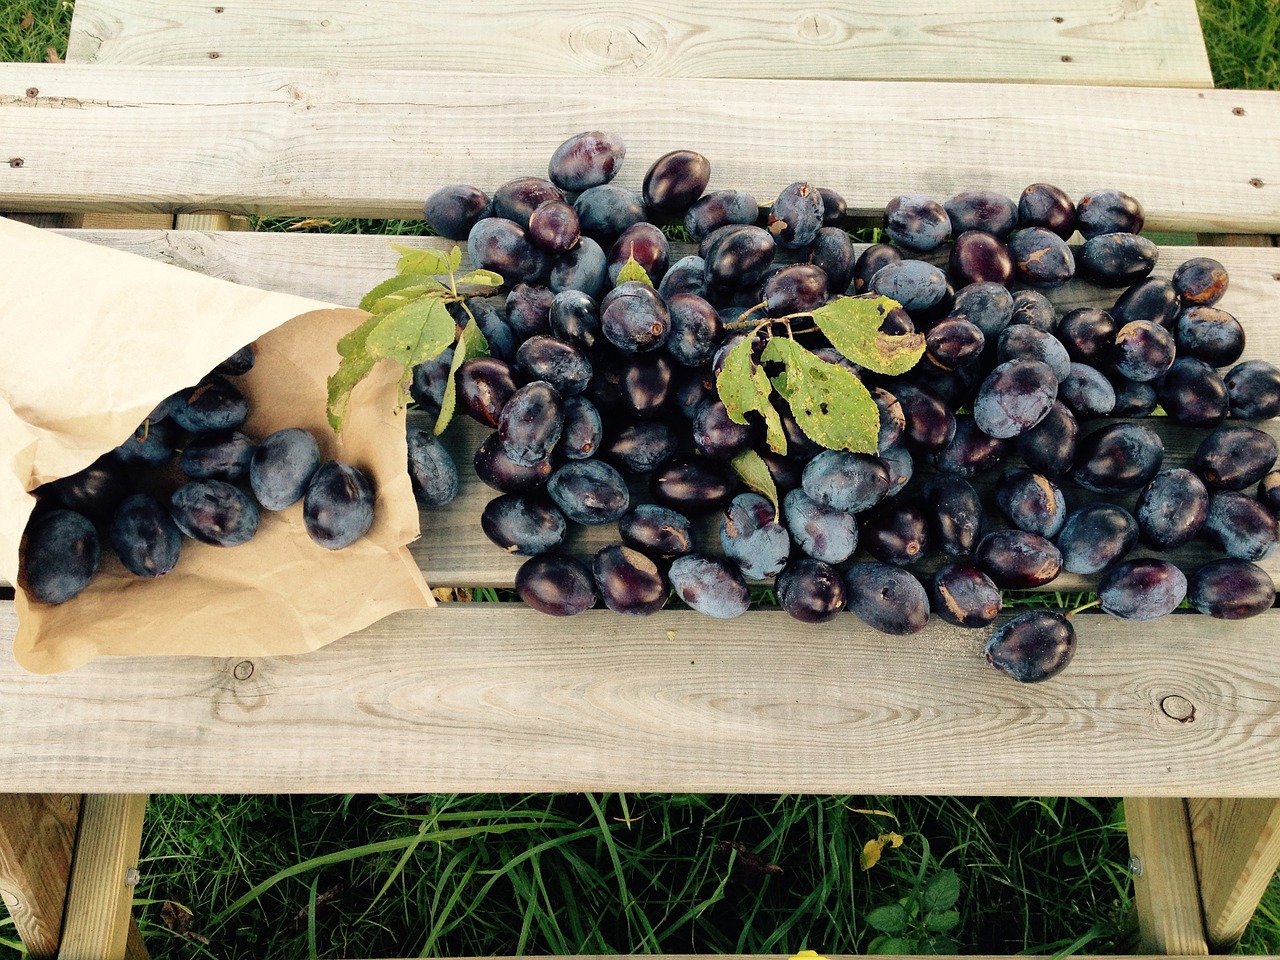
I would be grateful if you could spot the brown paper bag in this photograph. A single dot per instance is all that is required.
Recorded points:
(94, 339)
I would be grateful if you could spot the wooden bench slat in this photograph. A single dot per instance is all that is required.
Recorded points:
(375, 143)
(1038, 41)
(491, 697)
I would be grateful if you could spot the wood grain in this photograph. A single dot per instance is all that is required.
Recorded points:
(1165, 891)
(491, 697)
(37, 836)
(1039, 41)
(100, 898)
(376, 143)
(1237, 845)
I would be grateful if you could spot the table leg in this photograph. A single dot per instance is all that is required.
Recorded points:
(103, 875)
(1237, 848)
(37, 839)
(1166, 893)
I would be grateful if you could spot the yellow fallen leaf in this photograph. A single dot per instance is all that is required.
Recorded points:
(310, 223)
(872, 849)
(51, 56)
(27, 22)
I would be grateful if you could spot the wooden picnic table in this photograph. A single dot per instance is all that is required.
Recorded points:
(173, 119)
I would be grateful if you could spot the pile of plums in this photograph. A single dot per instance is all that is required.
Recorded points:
(187, 472)
(596, 389)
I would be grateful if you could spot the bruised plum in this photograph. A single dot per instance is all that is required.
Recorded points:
(1033, 646)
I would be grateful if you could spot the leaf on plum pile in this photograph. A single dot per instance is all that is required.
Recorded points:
(829, 403)
(405, 285)
(354, 367)
(631, 270)
(754, 472)
(471, 343)
(413, 333)
(852, 324)
(743, 386)
(481, 278)
(433, 262)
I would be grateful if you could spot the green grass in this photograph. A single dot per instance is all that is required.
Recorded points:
(330, 876)
(29, 29)
(477, 875)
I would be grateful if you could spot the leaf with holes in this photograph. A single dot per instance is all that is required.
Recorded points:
(852, 324)
(828, 402)
(743, 387)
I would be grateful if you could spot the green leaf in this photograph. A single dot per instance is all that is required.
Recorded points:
(829, 402)
(942, 892)
(890, 918)
(754, 472)
(481, 278)
(852, 324)
(455, 259)
(631, 270)
(471, 343)
(397, 284)
(942, 922)
(354, 367)
(414, 333)
(743, 386)
(401, 297)
(433, 262)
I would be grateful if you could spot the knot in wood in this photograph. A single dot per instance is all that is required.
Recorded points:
(1237, 111)
(243, 670)
(1178, 708)
(33, 92)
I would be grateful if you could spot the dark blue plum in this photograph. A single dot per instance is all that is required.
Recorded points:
(526, 524)
(1033, 646)
(1141, 590)
(338, 507)
(1095, 536)
(887, 598)
(144, 537)
(282, 466)
(214, 512)
(433, 474)
(811, 591)
(60, 556)
(709, 585)
(589, 492)
(823, 533)
(752, 537)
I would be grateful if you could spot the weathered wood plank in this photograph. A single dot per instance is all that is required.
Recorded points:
(375, 143)
(1039, 41)
(100, 898)
(1237, 846)
(37, 837)
(1165, 892)
(476, 698)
